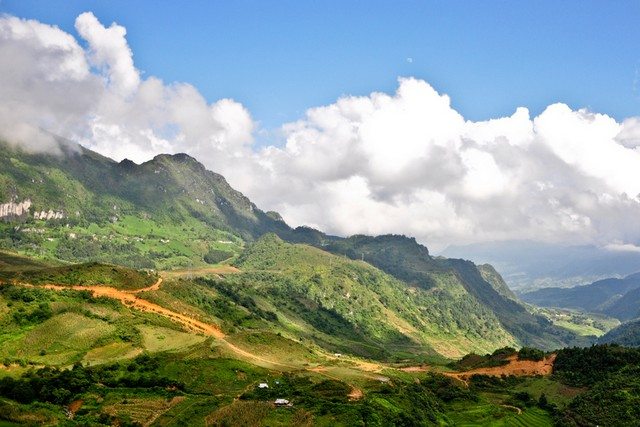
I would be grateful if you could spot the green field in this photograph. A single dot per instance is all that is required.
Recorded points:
(581, 323)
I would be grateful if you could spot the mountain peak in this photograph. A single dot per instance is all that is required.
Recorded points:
(178, 157)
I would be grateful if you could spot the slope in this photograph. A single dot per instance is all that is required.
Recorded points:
(170, 212)
(407, 260)
(354, 301)
(627, 334)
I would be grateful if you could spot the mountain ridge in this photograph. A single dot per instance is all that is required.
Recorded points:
(172, 212)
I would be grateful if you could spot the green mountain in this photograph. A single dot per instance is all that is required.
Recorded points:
(170, 212)
(409, 261)
(347, 301)
(328, 323)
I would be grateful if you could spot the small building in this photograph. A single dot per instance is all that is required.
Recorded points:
(337, 354)
(263, 385)
(282, 402)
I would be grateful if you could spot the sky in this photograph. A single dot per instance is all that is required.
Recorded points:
(454, 122)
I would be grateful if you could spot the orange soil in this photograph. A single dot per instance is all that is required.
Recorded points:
(75, 406)
(130, 299)
(515, 367)
(422, 368)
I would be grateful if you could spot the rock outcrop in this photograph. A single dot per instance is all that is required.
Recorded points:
(14, 210)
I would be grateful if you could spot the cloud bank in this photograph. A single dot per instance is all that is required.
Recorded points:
(385, 163)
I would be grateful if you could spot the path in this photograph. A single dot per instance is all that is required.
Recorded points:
(518, 410)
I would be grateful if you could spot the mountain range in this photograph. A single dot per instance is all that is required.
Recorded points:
(528, 265)
(619, 298)
(170, 212)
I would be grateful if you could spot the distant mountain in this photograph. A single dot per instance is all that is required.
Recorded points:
(171, 212)
(618, 298)
(528, 265)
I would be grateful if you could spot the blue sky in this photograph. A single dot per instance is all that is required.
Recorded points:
(279, 58)
(404, 161)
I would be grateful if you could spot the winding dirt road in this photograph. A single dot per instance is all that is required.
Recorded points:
(130, 299)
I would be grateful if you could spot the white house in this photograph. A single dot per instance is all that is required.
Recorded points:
(263, 385)
(282, 402)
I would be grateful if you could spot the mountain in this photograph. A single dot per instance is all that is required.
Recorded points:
(528, 265)
(409, 261)
(626, 307)
(353, 301)
(167, 212)
(618, 298)
(170, 212)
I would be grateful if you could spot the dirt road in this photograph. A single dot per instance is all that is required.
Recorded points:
(132, 300)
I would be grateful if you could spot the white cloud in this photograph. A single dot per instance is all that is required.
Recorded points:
(409, 163)
(97, 97)
(622, 247)
(109, 49)
(385, 163)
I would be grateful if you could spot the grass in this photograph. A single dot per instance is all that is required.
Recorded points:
(12, 414)
(110, 352)
(277, 348)
(579, 322)
(11, 262)
(240, 413)
(555, 391)
(139, 409)
(156, 338)
(214, 376)
(580, 329)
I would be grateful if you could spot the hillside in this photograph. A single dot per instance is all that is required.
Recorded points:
(353, 301)
(627, 334)
(615, 297)
(409, 261)
(195, 351)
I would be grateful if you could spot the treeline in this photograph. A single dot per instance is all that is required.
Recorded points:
(61, 386)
